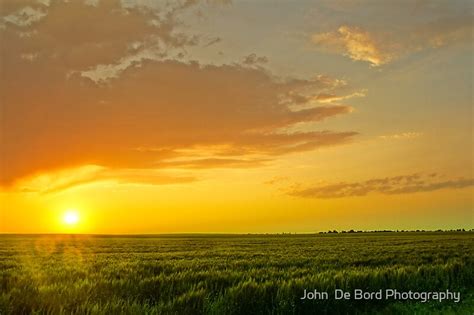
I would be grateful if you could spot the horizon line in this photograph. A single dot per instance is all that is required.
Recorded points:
(460, 230)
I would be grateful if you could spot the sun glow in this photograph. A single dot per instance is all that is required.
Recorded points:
(71, 217)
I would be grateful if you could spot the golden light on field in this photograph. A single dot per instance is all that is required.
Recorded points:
(71, 217)
(325, 120)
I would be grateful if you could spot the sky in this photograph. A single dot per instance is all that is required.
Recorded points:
(227, 116)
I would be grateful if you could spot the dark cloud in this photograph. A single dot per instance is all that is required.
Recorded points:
(213, 41)
(389, 186)
(253, 59)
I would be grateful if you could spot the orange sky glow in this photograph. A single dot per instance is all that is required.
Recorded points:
(139, 116)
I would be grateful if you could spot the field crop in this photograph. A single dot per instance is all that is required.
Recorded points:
(231, 274)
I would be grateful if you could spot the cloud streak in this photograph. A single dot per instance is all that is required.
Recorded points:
(59, 181)
(402, 136)
(388, 186)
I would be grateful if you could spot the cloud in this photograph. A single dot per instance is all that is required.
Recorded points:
(29, 57)
(275, 180)
(384, 46)
(253, 59)
(324, 89)
(330, 98)
(388, 186)
(58, 181)
(401, 136)
(102, 73)
(203, 163)
(24, 17)
(355, 43)
(213, 41)
(105, 83)
(44, 2)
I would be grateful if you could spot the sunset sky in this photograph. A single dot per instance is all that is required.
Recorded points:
(141, 116)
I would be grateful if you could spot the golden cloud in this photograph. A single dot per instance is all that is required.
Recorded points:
(105, 83)
(58, 181)
(355, 43)
(382, 47)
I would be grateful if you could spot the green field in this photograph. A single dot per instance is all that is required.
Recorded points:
(232, 274)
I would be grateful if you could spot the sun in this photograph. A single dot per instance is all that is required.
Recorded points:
(71, 217)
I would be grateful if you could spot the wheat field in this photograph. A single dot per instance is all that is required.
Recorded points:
(231, 274)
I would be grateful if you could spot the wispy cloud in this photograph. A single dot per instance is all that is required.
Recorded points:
(203, 163)
(389, 186)
(24, 17)
(401, 136)
(380, 47)
(330, 98)
(355, 43)
(59, 181)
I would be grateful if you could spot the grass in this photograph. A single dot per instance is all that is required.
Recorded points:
(231, 274)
